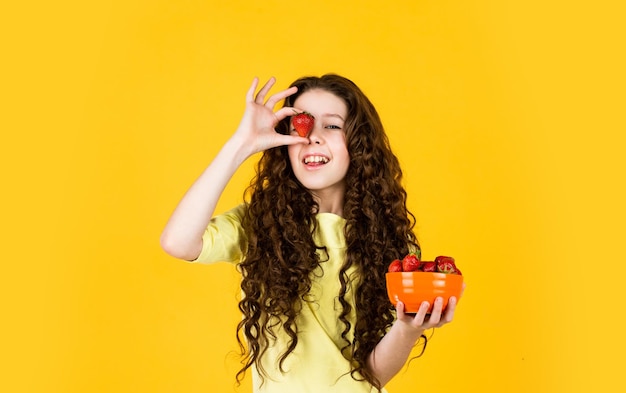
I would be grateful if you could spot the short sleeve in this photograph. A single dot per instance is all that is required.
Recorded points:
(224, 240)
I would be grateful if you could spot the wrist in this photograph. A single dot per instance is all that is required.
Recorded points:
(407, 333)
(238, 149)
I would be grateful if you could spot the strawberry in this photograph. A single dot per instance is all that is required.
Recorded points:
(410, 263)
(303, 123)
(446, 265)
(429, 266)
(395, 266)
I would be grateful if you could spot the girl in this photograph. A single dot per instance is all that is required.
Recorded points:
(325, 215)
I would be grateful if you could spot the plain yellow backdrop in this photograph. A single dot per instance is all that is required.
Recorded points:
(508, 118)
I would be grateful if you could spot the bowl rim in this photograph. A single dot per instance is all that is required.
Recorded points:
(437, 274)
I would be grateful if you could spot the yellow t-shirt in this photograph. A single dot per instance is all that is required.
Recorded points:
(317, 364)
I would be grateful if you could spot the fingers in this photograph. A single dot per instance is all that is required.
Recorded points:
(422, 319)
(435, 315)
(421, 315)
(260, 96)
(439, 316)
(414, 319)
(284, 112)
(399, 308)
(251, 90)
(449, 315)
(273, 100)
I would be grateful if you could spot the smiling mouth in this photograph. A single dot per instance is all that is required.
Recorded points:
(315, 160)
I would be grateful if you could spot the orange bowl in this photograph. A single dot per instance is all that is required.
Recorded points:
(412, 288)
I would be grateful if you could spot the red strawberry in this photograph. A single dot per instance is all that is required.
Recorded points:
(303, 123)
(446, 265)
(395, 266)
(410, 263)
(429, 266)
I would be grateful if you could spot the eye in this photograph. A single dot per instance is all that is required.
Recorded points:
(334, 127)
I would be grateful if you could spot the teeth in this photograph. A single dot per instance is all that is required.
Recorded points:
(315, 159)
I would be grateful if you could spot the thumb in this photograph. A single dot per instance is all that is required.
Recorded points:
(399, 306)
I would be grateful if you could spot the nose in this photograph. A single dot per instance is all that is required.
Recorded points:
(315, 136)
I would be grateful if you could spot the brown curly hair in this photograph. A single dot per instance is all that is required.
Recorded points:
(282, 255)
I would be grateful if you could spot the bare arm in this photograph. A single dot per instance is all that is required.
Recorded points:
(392, 352)
(182, 236)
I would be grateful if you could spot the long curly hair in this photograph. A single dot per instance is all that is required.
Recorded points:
(282, 256)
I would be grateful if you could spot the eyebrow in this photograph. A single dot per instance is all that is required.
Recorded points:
(333, 115)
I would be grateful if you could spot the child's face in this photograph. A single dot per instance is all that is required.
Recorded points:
(322, 164)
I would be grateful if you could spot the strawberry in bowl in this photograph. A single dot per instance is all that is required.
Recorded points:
(413, 281)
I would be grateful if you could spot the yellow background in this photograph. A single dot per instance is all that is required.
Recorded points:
(508, 117)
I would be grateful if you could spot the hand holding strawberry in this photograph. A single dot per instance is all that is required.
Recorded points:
(257, 129)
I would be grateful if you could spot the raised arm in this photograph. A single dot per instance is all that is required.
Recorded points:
(182, 236)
